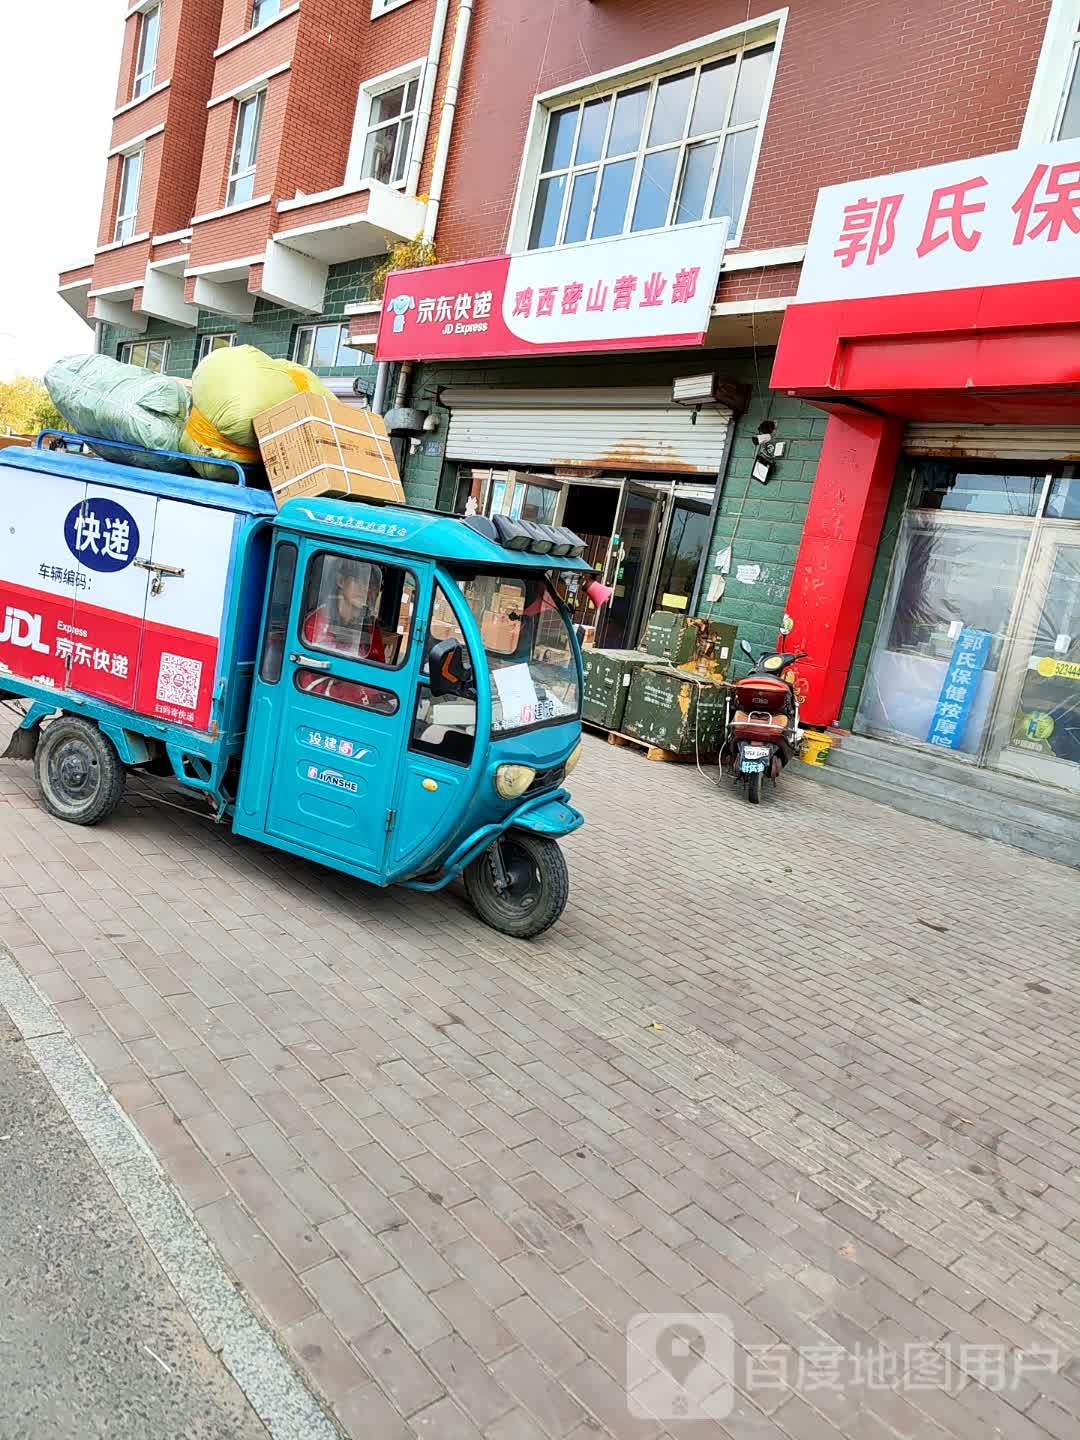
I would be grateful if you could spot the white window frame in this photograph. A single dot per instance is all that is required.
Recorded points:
(257, 20)
(146, 66)
(383, 7)
(341, 326)
(1053, 74)
(205, 345)
(130, 346)
(762, 30)
(369, 92)
(257, 97)
(127, 221)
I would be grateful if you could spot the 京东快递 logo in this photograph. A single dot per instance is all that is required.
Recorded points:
(399, 307)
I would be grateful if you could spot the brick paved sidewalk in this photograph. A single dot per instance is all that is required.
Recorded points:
(811, 1066)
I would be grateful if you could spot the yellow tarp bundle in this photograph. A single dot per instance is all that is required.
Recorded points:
(228, 389)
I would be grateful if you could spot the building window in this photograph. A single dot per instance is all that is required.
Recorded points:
(263, 11)
(150, 354)
(380, 7)
(209, 343)
(667, 151)
(389, 132)
(1068, 119)
(127, 206)
(245, 149)
(146, 59)
(322, 347)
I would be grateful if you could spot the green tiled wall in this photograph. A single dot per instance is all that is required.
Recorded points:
(271, 328)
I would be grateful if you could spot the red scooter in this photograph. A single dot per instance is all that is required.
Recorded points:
(762, 723)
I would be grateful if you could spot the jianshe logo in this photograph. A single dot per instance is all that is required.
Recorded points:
(23, 630)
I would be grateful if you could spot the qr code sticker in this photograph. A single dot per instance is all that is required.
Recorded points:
(178, 681)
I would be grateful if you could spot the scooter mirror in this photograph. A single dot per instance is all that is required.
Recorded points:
(744, 646)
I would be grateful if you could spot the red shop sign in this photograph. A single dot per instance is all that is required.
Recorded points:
(634, 292)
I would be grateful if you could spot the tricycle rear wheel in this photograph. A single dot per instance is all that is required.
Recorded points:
(537, 888)
(78, 771)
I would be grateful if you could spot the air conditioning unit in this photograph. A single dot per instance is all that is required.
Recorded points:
(696, 391)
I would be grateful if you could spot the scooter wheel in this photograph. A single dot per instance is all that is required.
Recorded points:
(753, 787)
(536, 895)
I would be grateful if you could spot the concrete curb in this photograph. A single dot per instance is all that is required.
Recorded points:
(272, 1387)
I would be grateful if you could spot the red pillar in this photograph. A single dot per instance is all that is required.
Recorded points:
(836, 553)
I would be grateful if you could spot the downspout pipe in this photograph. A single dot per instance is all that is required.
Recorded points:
(427, 96)
(412, 178)
(446, 120)
(442, 153)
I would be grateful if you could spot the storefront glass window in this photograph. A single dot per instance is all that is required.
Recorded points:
(964, 485)
(1046, 719)
(951, 580)
(1064, 501)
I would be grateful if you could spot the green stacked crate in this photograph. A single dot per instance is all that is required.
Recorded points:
(670, 637)
(675, 710)
(608, 674)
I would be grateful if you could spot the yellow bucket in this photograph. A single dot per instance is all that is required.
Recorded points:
(815, 747)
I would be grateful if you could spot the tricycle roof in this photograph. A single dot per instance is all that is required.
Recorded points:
(221, 495)
(423, 533)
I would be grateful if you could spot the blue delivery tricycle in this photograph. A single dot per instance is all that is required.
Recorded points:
(390, 692)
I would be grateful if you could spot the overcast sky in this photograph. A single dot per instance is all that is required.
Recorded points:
(56, 102)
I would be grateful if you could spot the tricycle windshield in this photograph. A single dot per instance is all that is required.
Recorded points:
(528, 647)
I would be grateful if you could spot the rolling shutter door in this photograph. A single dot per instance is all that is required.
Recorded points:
(622, 430)
(994, 442)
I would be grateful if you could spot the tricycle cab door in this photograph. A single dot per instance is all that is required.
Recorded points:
(331, 703)
(448, 742)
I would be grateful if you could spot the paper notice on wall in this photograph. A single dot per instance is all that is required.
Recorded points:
(723, 561)
(747, 574)
(517, 695)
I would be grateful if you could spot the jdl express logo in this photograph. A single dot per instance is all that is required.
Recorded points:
(23, 630)
(102, 535)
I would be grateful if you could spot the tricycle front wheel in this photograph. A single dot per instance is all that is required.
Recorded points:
(522, 890)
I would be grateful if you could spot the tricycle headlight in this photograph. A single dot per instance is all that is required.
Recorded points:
(575, 756)
(511, 781)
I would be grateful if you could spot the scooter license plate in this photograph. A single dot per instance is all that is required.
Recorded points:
(751, 767)
(756, 752)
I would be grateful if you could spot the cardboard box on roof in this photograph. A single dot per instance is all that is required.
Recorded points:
(314, 445)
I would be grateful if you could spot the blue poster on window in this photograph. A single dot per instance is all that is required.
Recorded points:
(958, 692)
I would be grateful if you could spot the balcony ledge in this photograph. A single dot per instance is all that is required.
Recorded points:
(351, 222)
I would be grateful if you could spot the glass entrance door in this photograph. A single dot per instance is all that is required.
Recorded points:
(629, 565)
(1039, 726)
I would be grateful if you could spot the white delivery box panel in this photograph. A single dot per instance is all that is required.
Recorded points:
(110, 591)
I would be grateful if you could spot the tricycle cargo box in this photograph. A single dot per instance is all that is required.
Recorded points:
(314, 445)
(118, 584)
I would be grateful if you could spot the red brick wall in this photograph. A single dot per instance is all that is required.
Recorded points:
(758, 284)
(170, 160)
(863, 87)
(119, 267)
(235, 20)
(264, 51)
(185, 131)
(127, 60)
(231, 236)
